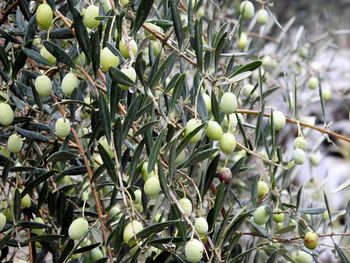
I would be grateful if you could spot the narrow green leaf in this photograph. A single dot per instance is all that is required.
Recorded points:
(142, 12)
(105, 116)
(120, 78)
(154, 154)
(177, 23)
(38, 180)
(36, 56)
(61, 156)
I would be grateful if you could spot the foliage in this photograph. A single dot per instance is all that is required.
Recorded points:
(143, 81)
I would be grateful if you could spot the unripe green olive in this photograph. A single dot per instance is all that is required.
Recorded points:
(131, 230)
(44, 16)
(201, 225)
(138, 196)
(46, 54)
(247, 9)
(312, 83)
(315, 158)
(130, 73)
(191, 125)
(267, 61)
(278, 217)
(262, 17)
(95, 254)
(69, 83)
(311, 240)
(242, 41)
(279, 120)
(6, 114)
(228, 103)
(38, 231)
(124, 2)
(124, 49)
(145, 174)
(80, 59)
(224, 175)
(153, 28)
(300, 143)
(115, 212)
(26, 201)
(247, 91)
(301, 257)
(213, 130)
(90, 13)
(261, 216)
(263, 189)
(4, 151)
(2, 221)
(207, 101)
(43, 85)
(156, 47)
(104, 143)
(326, 94)
(181, 158)
(194, 250)
(78, 228)
(186, 205)
(62, 127)
(227, 143)
(14, 143)
(108, 59)
(298, 156)
(152, 187)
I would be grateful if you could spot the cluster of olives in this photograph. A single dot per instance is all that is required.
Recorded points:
(247, 11)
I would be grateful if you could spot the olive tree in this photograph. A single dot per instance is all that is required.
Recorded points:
(159, 131)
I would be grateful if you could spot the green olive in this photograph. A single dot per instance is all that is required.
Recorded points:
(278, 217)
(201, 225)
(104, 143)
(300, 143)
(95, 254)
(301, 257)
(6, 114)
(145, 174)
(38, 231)
(247, 9)
(69, 83)
(261, 216)
(311, 240)
(262, 17)
(62, 127)
(213, 130)
(207, 101)
(227, 143)
(47, 55)
(298, 156)
(90, 14)
(26, 202)
(44, 16)
(279, 120)
(191, 125)
(123, 48)
(43, 85)
(263, 189)
(152, 187)
(242, 41)
(312, 83)
(194, 250)
(247, 91)
(108, 59)
(2, 221)
(124, 2)
(228, 103)
(14, 143)
(186, 205)
(131, 230)
(78, 228)
(130, 73)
